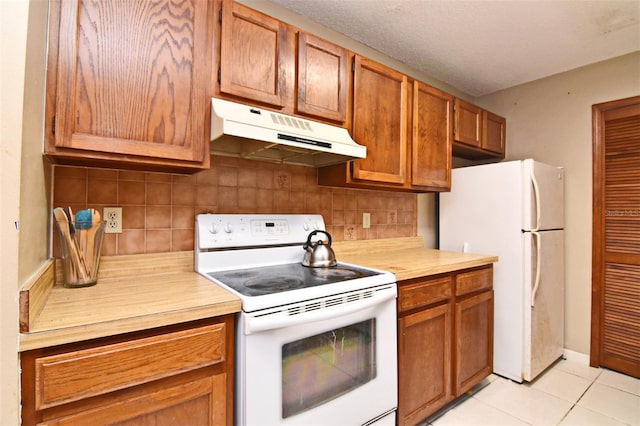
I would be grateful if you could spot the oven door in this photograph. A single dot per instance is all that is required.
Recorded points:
(327, 365)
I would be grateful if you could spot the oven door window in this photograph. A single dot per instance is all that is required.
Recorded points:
(319, 368)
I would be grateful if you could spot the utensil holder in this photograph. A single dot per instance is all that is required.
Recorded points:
(80, 248)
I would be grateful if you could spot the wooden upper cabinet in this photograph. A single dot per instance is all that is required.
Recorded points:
(478, 133)
(128, 82)
(494, 136)
(255, 56)
(407, 127)
(468, 123)
(432, 137)
(380, 122)
(322, 79)
(258, 66)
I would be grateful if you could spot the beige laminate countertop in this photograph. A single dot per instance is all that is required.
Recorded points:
(126, 299)
(146, 291)
(406, 258)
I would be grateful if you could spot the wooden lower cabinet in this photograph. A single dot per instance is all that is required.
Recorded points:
(175, 375)
(424, 346)
(445, 339)
(192, 403)
(474, 340)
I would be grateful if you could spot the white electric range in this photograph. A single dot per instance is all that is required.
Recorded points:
(314, 345)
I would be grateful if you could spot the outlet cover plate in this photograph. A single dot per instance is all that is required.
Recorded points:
(366, 220)
(113, 217)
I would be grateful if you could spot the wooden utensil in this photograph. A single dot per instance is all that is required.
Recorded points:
(76, 268)
(75, 239)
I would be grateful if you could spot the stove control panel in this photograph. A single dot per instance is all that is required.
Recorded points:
(214, 231)
(262, 227)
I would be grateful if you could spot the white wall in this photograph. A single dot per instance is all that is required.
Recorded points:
(550, 120)
(22, 177)
(35, 172)
(13, 36)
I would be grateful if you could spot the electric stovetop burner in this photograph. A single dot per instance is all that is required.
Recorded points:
(267, 285)
(286, 277)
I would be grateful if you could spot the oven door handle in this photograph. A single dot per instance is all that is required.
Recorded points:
(282, 320)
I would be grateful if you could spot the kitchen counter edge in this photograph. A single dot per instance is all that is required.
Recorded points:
(406, 258)
(123, 302)
(140, 292)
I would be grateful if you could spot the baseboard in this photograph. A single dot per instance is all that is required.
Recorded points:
(576, 357)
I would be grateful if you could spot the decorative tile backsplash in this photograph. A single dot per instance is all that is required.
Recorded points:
(158, 209)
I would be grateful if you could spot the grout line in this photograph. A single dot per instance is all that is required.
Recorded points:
(579, 398)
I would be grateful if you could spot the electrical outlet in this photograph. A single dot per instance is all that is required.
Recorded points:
(366, 220)
(113, 216)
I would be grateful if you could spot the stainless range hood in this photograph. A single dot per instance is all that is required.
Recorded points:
(239, 130)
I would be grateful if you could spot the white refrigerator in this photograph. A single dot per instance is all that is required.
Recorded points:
(514, 210)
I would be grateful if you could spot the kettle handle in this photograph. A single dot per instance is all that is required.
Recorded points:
(308, 243)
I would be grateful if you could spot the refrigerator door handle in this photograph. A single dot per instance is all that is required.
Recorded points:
(536, 193)
(538, 255)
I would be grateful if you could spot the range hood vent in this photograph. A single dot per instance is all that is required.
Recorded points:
(239, 130)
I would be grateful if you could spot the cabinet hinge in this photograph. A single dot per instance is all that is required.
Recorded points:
(220, 15)
(353, 66)
(53, 125)
(219, 75)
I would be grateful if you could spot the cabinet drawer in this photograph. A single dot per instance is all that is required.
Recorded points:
(416, 294)
(80, 374)
(479, 279)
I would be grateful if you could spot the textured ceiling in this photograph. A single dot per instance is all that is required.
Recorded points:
(482, 46)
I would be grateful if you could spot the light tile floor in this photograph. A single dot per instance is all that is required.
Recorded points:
(567, 394)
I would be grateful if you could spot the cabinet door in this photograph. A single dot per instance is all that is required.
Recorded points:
(424, 354)
(253, 55)
(474, 340)
(432, 137)
(380, 122)
(322, 79)
(494, 128)
(198, 402)
(132, 80)
(468, 123)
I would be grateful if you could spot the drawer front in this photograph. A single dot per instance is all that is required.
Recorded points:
(479, 279)
(84, 373)
(422, 293)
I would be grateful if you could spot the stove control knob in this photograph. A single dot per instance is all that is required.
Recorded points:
(309, 225)
(228, 228)
(213, 229)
